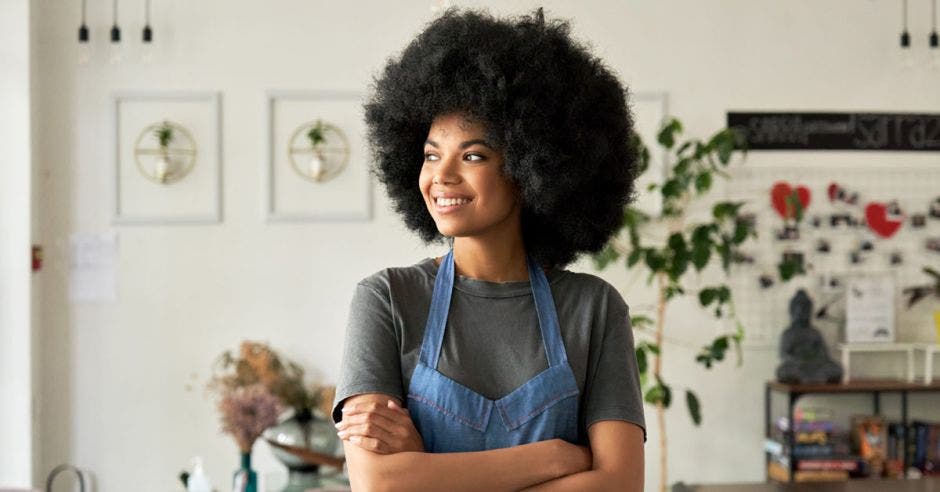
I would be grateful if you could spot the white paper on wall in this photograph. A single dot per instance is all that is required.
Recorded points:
(93, 269)
(870, 309)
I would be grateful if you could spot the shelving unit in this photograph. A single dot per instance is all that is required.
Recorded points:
(793, 393)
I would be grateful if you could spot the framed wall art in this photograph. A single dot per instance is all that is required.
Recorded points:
(316, 165)
(167, 157)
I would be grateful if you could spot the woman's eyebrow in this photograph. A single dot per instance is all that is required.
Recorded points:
(463, 145)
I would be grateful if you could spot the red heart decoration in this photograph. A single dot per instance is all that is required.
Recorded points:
(779, 194)
(876, 214)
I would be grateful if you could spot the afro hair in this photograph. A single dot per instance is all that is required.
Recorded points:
(557, 113)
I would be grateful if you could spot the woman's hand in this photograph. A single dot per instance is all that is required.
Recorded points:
(382, 429)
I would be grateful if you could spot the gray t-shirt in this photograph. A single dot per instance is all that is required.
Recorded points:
(492, 343)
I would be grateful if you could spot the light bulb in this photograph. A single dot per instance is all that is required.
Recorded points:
(116, 51)
(146, 55)
(84, 47)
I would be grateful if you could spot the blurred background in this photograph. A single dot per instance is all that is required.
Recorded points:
(109, 342)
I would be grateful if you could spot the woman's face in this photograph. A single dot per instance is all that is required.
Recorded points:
(462, 181)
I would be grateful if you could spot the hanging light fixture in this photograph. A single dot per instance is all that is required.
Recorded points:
(934, 41)
(905, 36)
(907, 58)
(147, 56)
(84, 47)
(117, 54)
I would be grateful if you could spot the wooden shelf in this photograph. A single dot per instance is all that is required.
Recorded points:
(855, 386)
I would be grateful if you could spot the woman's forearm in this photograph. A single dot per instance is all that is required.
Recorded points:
(589, 481)
(507, 469)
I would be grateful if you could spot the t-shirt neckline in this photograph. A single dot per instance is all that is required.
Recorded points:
(486, 288)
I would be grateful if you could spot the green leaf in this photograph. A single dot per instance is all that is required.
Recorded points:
(634, 257)
(723, 210)
(701, 252)
(789, 269)
(724, 294)
(672, 188)
(682, 167)
(673, 290)
(667, 135)
(695, 409)
(654, 260)
(605, 257)
(703, 182)
(707, 296)
(725, 146)
(741, 230)
(640, 321)
(641, 360)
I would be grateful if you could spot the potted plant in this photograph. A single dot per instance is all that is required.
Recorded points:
(317, 136)
(305, 432)
(165, 165)
(668, 247)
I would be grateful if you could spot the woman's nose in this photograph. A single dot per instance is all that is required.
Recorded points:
(448, 170)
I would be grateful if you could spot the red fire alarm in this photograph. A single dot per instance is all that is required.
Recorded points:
(37, 258)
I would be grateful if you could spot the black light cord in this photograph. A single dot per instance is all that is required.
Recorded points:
(148, 32)
(115, 30)
(905, 36)
(934, 40)
(83, 29)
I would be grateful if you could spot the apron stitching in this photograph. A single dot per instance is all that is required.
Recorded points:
(555, 399)
(443, 410)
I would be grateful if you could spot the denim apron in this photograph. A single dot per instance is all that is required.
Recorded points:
(452, 418)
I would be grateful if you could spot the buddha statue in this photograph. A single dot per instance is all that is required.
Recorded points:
(803, 353)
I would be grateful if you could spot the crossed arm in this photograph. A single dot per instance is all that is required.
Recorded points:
(384, 453)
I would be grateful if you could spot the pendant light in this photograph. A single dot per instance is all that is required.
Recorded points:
(117, 54)
(147, 36)
(907, 58)
(84, 47)
(933, 40)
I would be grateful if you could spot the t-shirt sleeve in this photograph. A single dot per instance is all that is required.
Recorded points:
(371, 361)
(613, 391)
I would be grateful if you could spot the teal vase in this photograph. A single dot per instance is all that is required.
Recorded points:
(245, 479)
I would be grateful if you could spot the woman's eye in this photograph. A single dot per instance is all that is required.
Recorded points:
(479, 157)
(430, 157)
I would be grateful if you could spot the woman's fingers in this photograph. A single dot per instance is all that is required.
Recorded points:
(373, 438)
(373, 417)
(374, 407)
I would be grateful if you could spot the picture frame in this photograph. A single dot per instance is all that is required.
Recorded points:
(347, 196)
(140, 200)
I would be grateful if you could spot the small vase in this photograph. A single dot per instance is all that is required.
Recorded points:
(245, 479)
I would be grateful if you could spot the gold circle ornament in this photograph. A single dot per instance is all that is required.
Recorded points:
(322, 161)
(165, 152)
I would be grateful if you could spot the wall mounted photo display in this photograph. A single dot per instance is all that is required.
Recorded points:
(934, 210)
(870, 303)
(884, 219)
(918, 221)
(167, 157)
(316, 163)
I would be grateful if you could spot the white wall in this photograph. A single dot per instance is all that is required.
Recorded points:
(16, 378)
(122, 384)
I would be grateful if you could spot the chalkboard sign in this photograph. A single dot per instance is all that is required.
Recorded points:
(838, 131)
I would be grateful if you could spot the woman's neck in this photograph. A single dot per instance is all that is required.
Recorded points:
(493, 261)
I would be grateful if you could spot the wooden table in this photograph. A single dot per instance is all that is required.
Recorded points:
(928, 484)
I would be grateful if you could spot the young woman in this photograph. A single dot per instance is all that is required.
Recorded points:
(492, 367)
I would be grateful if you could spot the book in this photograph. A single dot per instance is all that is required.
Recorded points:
(870, 441)
(777, 472)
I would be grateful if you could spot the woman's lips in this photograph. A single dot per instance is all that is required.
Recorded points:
(447, 209)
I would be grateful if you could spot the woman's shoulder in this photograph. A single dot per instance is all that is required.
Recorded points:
(397, 277)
